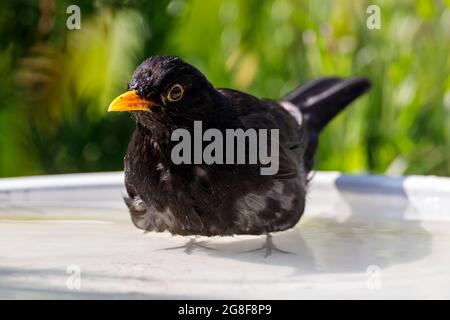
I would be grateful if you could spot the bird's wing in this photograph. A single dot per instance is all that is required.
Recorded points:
(267, 114)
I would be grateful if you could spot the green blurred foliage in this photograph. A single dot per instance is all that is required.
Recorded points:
(55, 83)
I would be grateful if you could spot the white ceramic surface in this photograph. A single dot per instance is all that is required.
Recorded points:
(360, 237)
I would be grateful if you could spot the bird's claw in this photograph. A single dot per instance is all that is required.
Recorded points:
(269, 246)
(190, 246)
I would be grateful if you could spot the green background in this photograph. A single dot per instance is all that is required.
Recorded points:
(56, 84)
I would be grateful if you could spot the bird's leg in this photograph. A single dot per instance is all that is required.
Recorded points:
(269, 246)
(190, 246)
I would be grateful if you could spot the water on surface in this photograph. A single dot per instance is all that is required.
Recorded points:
(355, 258)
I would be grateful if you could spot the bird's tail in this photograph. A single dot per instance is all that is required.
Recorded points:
(320, 101)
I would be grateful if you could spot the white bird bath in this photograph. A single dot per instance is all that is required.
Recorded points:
(70, 237)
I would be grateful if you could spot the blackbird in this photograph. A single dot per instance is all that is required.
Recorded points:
(164, 94)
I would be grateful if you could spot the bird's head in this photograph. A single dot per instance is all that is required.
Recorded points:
(165, 91)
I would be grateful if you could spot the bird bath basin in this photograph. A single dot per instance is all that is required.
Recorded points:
(70, 237)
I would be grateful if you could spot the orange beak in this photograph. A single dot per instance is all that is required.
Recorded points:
(130, 101)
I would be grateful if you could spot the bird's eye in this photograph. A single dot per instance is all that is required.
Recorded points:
(175, 93)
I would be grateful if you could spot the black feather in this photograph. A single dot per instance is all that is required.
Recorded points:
(320, 101)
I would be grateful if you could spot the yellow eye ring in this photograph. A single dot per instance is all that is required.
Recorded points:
(175, 93)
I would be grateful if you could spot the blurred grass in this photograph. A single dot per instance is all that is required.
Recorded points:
(55, 83)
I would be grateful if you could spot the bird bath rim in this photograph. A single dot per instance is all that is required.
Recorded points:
(411, 197)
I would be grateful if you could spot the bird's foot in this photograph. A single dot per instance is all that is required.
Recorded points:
(270, 247)
(190, 246)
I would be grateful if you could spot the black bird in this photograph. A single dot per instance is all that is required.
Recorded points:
(166, 93)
